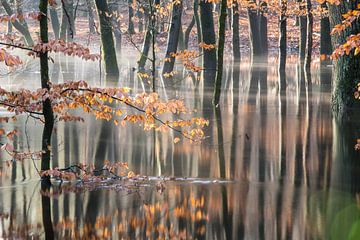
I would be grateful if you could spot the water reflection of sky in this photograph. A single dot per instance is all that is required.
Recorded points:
(290, 168)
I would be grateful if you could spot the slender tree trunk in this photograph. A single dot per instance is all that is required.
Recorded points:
(309, 37)
(116, 26)
(147, 40)
(145, 48)
(44, 71)
(90, 16)
(220, 51)
(21, 28)
(141, 21)
(173, 38)
(235, 31)
(188, 31)
(19, 10)
(325, 44)
(131, 29)
(302, 26)
(197, 20)
(107, 40)
(263, 30)
(67, 30)
(282, 45)
(55, 22)
(208, 37)
(346, 68)
(255, 43)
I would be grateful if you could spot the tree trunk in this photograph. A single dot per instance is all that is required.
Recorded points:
(90, 16)
(220, 51)
(107, 40)
(325, 44)
(282, 45)
(197, 21)
(188, 31)
(254, 32)
(302, 26)
(116, 26)
(208, 37)
(145, 48)
(141, 21)
(346, 68)
(19, 5)
(67, 31)
(173, 38)
(309, 37)
(235, 31)
(55, 22)
(47, 109)
(131, 29)
(263, 31)
(22, 29)
(147, 40)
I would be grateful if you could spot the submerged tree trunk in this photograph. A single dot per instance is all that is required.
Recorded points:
(107, 40)
(254, 32)
(47, 109)
(220, 51)
(173, 38)
(325, 44)
(145, 48)
(235, 31)
(21, 28)
(282, 45)
(309, 37)
(346, 68)
(208, 37)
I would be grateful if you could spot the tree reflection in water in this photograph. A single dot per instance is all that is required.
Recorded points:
(276, 166)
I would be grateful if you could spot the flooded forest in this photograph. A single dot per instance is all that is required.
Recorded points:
(179, 119)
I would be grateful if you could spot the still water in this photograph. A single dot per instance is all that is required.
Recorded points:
(275, 165)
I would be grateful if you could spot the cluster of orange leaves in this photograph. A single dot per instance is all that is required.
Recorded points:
(115, 104)
(67, 48)
(352, 42)
(349, 18)
(187, 57)
(9, 59)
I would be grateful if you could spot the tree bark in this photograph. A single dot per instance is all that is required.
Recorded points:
(55, 22)
(107, 40)
(173, 38)
(208, 37)
(346, 68)
(220, 51)
(235, 32)
(309, 37)
(303, 30)
(282, 45)
(67, 31)
(188, 31)
(197, 21)
(90, 16)
(47, 109)
(131, 29)
(325, 44)
(21, 28)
